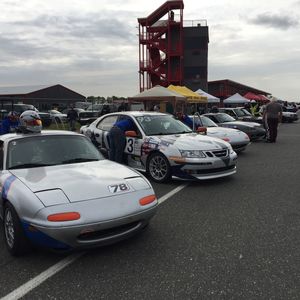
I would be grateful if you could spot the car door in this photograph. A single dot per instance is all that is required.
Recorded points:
(100, 134)
(1, 174)
(133, 146)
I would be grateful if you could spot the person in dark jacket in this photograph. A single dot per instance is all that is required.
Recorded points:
(72, 117)
(272, 115)
(214, 109)
(117, 139)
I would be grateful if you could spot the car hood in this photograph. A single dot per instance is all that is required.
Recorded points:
(250, 124)
(223, 131)
(81, 181)
(191, 141)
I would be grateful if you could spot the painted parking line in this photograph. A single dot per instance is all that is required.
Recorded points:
(39, 279)
(172, 193)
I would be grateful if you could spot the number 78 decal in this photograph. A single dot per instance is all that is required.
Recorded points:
(118, 188)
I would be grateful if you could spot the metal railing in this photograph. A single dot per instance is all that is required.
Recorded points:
(194, 23)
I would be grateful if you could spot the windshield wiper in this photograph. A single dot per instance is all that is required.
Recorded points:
(158, 133)
(181, 132)
(29, 165)
(77, 160)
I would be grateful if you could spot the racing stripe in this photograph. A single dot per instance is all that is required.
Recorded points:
(41, 239)
(6, 186)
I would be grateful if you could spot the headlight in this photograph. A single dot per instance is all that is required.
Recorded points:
(192, 153)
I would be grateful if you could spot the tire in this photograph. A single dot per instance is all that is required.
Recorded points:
(14, 235)
(57, 120)
(158, 167)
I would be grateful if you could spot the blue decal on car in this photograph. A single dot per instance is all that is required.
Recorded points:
(6, 186)
(42, 239)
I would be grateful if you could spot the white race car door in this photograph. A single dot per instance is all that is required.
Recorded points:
(101, 132)
(133, 146)
(133, 152)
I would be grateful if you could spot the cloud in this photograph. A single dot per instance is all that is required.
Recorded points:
(283, 22)
(87, 40)
(86, 27)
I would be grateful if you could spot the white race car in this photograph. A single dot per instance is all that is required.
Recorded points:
(238, 139)
(59, 192)
(164, 147)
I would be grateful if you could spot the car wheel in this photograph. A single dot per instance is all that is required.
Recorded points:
(14, 235)
(158, 167)
(57, 119)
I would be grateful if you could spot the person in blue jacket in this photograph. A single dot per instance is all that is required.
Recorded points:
(117, 139)
(10, 123)
(185, 119)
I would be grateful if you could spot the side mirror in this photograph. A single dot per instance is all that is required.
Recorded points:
(130, 133)
(202, 130)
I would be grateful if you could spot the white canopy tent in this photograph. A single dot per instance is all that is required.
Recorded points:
(158, 92)
(236, 99)
(210, 98)
(166, 99)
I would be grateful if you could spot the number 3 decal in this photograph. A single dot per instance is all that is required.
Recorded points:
(130, 145)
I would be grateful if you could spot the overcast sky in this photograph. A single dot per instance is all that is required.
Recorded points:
(91, 46)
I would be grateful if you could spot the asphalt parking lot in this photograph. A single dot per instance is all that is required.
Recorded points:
(231, 238)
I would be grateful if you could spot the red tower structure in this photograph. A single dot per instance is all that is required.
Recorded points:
(161, 46)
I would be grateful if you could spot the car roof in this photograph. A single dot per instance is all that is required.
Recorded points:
(13, 136)
(139, 113)
(213, 114)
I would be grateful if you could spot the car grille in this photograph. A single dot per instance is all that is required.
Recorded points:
(105, 233)
(209, 171)
(217, 153)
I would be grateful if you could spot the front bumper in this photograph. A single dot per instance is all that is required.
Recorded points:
(208, 168)
(239, 147)
(97, 226)
(256, 134)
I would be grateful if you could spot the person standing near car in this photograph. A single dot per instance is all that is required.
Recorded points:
(10, 123)
(117, 139)
(72, 117)
(272, 116)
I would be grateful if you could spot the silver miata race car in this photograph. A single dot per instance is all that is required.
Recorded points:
(58, 191)
(164, 147)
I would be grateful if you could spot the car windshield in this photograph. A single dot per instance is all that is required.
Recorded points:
(246, 112)
(239, 112)
(203, 121)
(223, 118)
(161, 125)
(49, 150)
(207, 122)
(95, 107)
